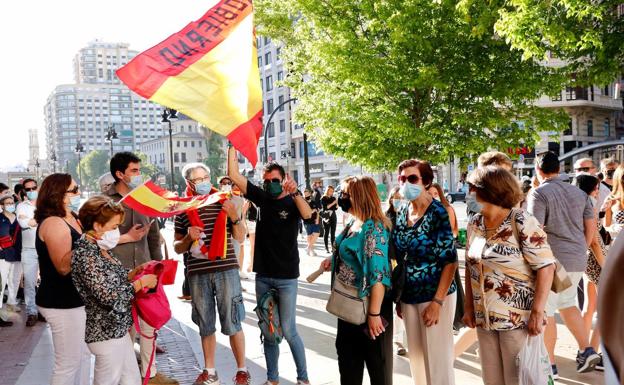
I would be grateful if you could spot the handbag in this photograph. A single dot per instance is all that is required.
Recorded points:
(561, 280)
(344, 301)
(459, 305)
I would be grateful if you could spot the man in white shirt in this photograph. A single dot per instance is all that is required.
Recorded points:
(587, 165)
(26, 217)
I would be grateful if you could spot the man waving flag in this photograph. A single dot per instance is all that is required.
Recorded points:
(209, 72)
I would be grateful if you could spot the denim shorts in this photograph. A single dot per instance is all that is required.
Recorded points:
(222, 288)
(312, 228)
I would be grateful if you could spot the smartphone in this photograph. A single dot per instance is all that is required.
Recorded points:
(367, 331)
(148, 225)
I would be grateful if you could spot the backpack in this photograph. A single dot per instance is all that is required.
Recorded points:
(152, 306)
(267, 311)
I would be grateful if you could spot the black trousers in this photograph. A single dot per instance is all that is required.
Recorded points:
(329, 230)
(355, 349)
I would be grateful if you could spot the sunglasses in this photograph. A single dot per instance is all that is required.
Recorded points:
(274, 180)
(75, 190)
(413, 179)
(225, 184)
(30, 188)
(583, 169)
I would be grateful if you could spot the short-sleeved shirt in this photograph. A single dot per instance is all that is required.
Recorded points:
(208, 216)
(503, 277)
(429, 246)
(105, 289)
(562, 208)
(326, 201)
(364, 257)
(276, 254)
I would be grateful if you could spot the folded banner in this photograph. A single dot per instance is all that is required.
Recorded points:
(209, 72)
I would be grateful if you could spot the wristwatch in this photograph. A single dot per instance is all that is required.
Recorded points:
(237, 221)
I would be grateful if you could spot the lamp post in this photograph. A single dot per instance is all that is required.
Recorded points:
(266, 127)
(110, 135)
(168, 115)
(79, 150)
(37, 165)
(53, 159)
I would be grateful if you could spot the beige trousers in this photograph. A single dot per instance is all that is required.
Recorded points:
(499, 351)
(430, 349)
(145, 345)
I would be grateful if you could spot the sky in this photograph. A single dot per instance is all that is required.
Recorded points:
(40, 38)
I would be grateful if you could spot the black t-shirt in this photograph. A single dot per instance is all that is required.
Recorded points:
(276, 254)
(315, 209)
(326, 201)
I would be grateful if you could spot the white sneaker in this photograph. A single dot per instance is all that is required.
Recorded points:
(243, 275)
(299, 382)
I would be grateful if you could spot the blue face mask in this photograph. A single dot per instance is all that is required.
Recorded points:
(10, 208)
(472, 204)
(203, 188)
(32, 195)
(411, 191)
(74, 203)
(135, 181)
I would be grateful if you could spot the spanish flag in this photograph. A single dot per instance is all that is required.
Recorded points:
(209, 72)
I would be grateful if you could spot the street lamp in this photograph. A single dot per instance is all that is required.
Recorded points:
(53, 159)
(168, 115)
(266, 127)
(79, 150)
(110, 135)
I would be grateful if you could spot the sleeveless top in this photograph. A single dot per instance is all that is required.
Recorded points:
(55, 291)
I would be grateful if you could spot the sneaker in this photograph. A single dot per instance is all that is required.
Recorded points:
(587, 360)
(301, 382)
(243, 275)
(207, 379)
(555, 372)
(31, 320)
(4, 323)
(14, 308)
(160, 349)
(41, 318)
(184, 297)
(600, 365)
(161, 379)
(242, 378)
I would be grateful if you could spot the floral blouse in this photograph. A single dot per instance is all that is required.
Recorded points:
(502, 275)
(364, 257)
(104, 287)
(429, 246)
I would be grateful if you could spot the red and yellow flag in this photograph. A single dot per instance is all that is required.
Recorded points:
(209, 72)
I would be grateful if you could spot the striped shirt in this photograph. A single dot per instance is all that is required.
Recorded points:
(208, 215)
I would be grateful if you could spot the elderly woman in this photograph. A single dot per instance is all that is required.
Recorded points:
(107, 290)
(509, 273)
(427, 304)
(10, 250)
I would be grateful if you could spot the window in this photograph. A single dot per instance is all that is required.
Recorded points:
(176, 157)
(178, 143)
(278, 52)
(272, 131)
(192, 143)
(258, 42)
(259, 61)
(269, 83)
(270, 106)
(568, 131)
(200, 143)
(281, 101)
(280, 75)
(267, 40)
(272, 156)
(590, 128)
(282, 125)
(185, 144)
(267, 58)
(607, 127)
(557, 98)
(184, 157)
(606, 90)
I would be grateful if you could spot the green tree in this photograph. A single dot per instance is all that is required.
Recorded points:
(148, 170)
(93, 165)
(382, 81)
(588, 34)
(216, 160)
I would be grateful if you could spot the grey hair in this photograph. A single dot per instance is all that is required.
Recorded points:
(186, 170)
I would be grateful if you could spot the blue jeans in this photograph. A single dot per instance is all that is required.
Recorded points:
(287, 293)
(30, 264)
(224, 289)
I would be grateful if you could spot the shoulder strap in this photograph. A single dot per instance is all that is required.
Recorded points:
(514, 228)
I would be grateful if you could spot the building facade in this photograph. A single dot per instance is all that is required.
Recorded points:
(97, 102)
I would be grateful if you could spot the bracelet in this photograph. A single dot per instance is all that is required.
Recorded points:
(438, 301)
(374, 315)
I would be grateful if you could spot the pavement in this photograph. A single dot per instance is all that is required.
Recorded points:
(26, 353)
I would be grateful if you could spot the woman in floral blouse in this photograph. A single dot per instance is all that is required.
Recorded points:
(427, 305)
(362, 257)
(107, 291)
(509, 272)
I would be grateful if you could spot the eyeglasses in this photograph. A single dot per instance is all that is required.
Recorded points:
(30, 188)
(200, 180)
(583, 169)
(75, 190)
(274, 180)
(225, 184)
(413, 179)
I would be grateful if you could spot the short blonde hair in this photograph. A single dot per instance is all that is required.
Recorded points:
(496, 185)
(494, 158)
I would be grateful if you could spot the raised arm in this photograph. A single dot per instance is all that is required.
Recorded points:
(233, 172)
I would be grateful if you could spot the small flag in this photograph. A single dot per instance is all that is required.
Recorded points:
(209, 72)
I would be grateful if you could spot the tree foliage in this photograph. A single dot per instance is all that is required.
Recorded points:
(588, 34)
(381, 81)
(216, 160)
(92, 166)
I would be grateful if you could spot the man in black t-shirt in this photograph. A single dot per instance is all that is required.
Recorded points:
(276, 254)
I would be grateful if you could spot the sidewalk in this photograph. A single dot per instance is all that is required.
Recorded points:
(26, 353)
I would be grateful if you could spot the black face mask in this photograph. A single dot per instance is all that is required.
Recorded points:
(610, 174)
(344, 203)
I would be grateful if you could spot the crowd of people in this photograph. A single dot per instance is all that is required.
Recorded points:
(533, 249)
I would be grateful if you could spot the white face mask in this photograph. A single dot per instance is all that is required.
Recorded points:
(110, 239)
(226, 188)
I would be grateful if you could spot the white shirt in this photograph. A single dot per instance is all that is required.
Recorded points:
(25, 211)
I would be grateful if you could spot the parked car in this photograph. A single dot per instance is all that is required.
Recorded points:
(458, 196)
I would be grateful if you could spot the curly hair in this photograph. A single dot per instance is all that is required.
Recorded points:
(51, 195)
